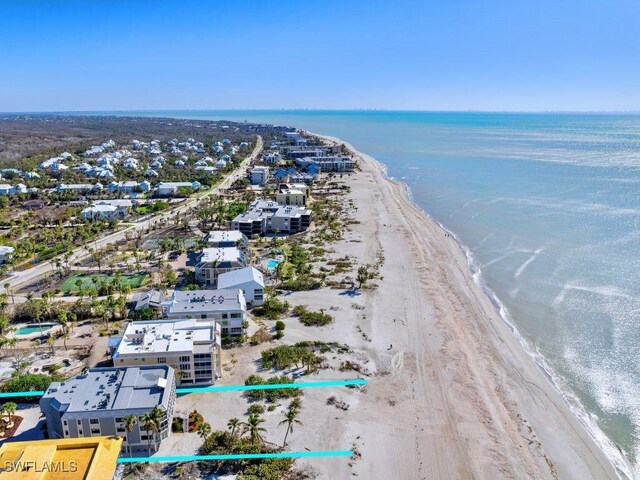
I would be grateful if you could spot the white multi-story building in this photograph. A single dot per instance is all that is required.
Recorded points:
(259, 175)
(227, 307)
(226, 238)
(213, 261)
(191, 347)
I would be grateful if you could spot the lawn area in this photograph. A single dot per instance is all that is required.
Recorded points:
(70, 284)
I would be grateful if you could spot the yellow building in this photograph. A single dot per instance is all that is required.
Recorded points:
(90, 458)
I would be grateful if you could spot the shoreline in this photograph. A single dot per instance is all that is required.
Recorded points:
(589, 440)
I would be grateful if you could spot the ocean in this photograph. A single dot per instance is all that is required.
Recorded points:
(547, 208)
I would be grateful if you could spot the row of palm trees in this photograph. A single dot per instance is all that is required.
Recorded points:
(152, 421)
(253, 428)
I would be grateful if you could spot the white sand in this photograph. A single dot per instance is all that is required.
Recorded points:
(456, 397)
(462, 398)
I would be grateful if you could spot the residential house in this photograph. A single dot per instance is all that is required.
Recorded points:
(126, 187)
(104, 212)
(79, 187)
(165, 189)
(6, 189)
(151, 299)
(5, 254)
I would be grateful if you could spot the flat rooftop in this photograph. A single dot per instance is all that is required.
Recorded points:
(162, 336)
(107, 389)
(201, 301)
(221, 255)
(218, 236)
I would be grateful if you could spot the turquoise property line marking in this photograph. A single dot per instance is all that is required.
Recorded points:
(228, 388)
(238, 456)
(22, 394)
(235, 388)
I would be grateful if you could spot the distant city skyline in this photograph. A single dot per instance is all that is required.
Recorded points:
(73, 55)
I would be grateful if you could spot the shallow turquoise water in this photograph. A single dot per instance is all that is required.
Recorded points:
(28, 330)
(548, 206)
(272, 264)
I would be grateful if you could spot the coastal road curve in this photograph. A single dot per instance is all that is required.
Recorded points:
(17, 279)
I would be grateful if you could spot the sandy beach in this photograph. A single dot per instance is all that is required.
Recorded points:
(452, 394)
(456, 395)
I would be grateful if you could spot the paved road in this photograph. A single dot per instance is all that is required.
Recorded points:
(47, 268)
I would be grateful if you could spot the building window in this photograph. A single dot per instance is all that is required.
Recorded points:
(94, 421)
(162, 359)
(185, 358)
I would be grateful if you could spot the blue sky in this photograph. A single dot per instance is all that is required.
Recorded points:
(425, 55)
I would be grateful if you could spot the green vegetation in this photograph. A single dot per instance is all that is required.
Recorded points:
(286, 356)
(270, 395)
(272, 308)
(87, 283)
(247, 439)
(255, 409)
(29, 382)
(153, 207)
(311, 319)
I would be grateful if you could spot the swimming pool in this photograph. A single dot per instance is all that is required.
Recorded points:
(29, 329)
(272, 264)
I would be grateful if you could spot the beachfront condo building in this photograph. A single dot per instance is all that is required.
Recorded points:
(291, 196)
(226, 238)
(96, 403)
(338, 164)
(249, 280)
(227, 307)
(191, 347)
(211, 262)
(267, 216)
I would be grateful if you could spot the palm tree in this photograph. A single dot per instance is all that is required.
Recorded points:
(150, 426)
(290, 417)
(50, 342)
(204, 430)
(253, 428)
(233, 425)
(4, 323)
(7, 288)
(129, 422)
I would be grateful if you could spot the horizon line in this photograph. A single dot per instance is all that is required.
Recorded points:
(306, 109)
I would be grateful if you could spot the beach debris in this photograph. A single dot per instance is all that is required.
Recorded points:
(340, 404)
